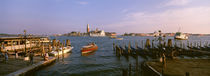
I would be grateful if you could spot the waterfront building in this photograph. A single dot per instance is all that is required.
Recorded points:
(95, 33)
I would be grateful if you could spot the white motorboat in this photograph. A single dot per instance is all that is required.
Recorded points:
(60, 52)
(180, 36)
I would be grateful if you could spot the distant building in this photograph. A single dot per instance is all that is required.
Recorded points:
(95, 33)
(73, 33)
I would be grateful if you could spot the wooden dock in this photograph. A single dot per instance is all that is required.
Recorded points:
(28, 70)
(180, 67)
(166, 55)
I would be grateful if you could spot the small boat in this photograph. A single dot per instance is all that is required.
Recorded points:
(115, 37)
(180, 36)
(91, 47)
(119, 38)
(60, 52)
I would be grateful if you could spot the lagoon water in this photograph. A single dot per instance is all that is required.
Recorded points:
(101, 63)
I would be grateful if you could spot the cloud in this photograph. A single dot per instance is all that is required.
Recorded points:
(125, 10)
(176, 2)
(194, 20)
(83, 3)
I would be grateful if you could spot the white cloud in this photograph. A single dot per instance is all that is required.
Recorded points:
(195, 20)
(83, 3)
(176, 2)
(125, 10)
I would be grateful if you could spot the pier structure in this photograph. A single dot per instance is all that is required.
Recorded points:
(162, 53)
(21, 44)
(38, 46)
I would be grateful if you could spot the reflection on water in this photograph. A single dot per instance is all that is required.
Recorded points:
(87, 54)
(102, 62)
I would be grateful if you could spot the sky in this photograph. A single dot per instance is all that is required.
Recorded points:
(121, 16)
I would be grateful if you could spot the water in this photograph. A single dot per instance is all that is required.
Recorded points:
(103, 62)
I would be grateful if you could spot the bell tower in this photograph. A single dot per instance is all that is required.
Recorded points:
(88, 29)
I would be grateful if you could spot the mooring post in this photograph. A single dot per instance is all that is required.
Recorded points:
(120, 51)
(136, 45)
(63, 51)
(164, 44)
(30, 45)
(147, 43)
(187, 74)
(43, 50)
(114, 47)
(197, 44)
(116, 50)
(191, 45)
(137, 66)
(180, 44)
(129, 47)
(125, 72)
(183, 45)
(142, 43)
(163, 63)
(200, 43)
(12, 45)
(169, 43)
(54, 44)
(58, 46)
(68, 42)
(130, 69)
(49, 48)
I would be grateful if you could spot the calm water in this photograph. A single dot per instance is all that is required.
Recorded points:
(103, 62)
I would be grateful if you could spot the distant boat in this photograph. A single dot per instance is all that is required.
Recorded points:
(115, 37)
(119, 38)
(60, 52)
(91, 47)
(180, 36)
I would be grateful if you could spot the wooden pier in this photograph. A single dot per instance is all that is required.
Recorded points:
(160, 53)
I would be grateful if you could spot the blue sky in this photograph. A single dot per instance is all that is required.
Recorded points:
(138, 16)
